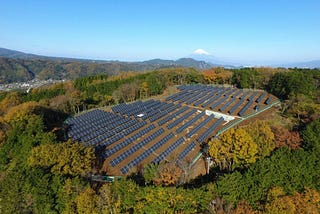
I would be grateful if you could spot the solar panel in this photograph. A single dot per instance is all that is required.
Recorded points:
(186, 150)
(227, 104)
(129, 140)
(261, 97)
(210, 130)
(245, 108)
(252, 96)
(268, 101)
(173, 115)
(199, 126)
(168, 150)
(179, 120)
(147, 152)
(190, 122)
(218, 102)
(136, 147)
(236, 106)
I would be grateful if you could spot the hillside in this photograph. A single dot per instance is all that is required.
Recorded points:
(17, 66)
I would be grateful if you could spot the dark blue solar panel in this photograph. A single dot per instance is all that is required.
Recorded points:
(173, 115)
(252, 96)
(227, 104)
(168, 150)
(179, 120)
(186, 150)
(147, 152)
(218, 102)
(136, 147)
(190, 122)
(236, 106)
(245, 108)
(210, 130)
(199, 126)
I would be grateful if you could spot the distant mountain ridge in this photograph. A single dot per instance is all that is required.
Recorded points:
(184, 62)
(16, 54)
(309, 64)
(16, 66)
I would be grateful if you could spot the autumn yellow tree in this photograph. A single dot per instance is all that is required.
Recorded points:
(86, 202)
(19, 112)
(234, 148)
(144, 90)
(261, 133)
(11, 100)
(108, 202)
(63, 158)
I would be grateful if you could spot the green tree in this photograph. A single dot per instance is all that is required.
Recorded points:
(311, 136)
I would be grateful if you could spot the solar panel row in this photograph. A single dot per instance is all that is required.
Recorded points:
(218, 102)
(207, 97)
(261, 97)
(186, 150)
(136, 147)
(237, 93)
(268, 101)
(245, 108)
(179, 120)
(195, 97)
(227, 104)
(164, 112)
(146, 153)
(190, 122)
(128, 141)
(210, 130)
(168, 150)
(84, 132)
(199, 126)
(173, 115)
(236, 106)
(252, 96)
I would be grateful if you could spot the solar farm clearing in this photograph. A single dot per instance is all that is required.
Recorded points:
(172, 129)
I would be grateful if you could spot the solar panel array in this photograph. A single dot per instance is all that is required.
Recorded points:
(135, 133)
(224, 99)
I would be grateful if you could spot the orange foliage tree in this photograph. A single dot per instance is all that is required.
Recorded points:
(217, 76)
(286, 138)
(306, 202)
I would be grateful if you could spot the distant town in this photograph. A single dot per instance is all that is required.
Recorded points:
(34, 83)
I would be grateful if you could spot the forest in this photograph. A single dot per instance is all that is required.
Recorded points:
(269, 166)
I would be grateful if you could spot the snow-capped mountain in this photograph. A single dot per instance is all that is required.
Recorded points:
(202, 55)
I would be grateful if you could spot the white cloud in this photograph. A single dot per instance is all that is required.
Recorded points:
(201, 52)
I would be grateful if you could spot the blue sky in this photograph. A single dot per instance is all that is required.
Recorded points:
(246, 31)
